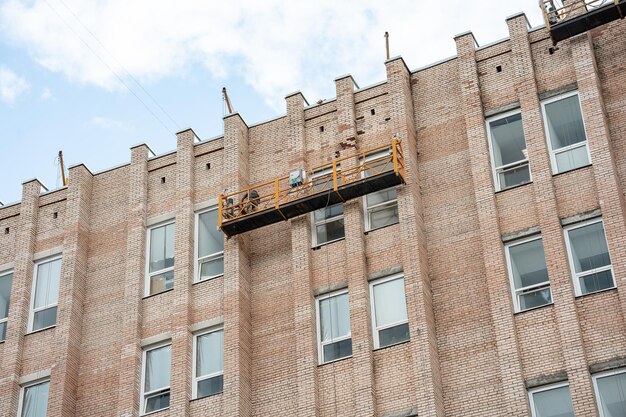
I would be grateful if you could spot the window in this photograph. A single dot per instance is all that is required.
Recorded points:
(589, 258)
(208, 374)
(610, 390)
(333, 327)
(564, 126)
(6, 280)
(34, 399)
(209, 247)
(155, 384)
(327, 222)
(381, 207)
(45, 296)
(160, 259)
(551, 401)
(508, 151)
(528, 273)
(389, 318)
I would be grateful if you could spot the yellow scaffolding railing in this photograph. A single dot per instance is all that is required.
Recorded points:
(271, 195)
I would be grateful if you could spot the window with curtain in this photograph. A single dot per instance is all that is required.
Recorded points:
(389, 316)
(528, 274)
(208, 363)
(6, 280)
(566, 133)
(45, 294)
(381, 207)
(34, 401)
(156, 378)
(508, 151)
(160, 259)
(334, 335)
(209, 247)
(551, 401)
(589, 257)
(328, 223)
(610, 390)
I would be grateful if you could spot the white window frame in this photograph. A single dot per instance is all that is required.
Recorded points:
(367, 211)
(376, 329)
(553, 152)
(31, 309)
(320, 344)
(314, 224)
(6, 319)
(23, 392)
(543, 388)
(195, 378)
(576, 276)
(161, 271)
(145, 395)
(206, 258)
(596, 390)
(515, 293)
(495, 171)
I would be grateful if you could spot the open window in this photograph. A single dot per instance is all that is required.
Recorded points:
(528, 274)
(333, 326)
(209, 246)
(381, 207)
(160, 259)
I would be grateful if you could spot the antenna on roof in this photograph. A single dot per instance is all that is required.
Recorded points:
(62, 168)
(387, 44)
(227, 100)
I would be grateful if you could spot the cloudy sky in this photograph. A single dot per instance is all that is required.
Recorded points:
(95, 77)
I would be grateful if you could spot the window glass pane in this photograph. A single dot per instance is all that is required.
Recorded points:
(390, 302)
(393, 335)
(47, 285)
(337, 350)
(158, 368)
(528, 264)
(44, 318)
(210, 239)
(507, 137)
(589, 248)
(378, 163)
(3, 331)
(565, 122)
(161, 247)
(157, 402)
(5, 294)
(323, 180)
(553, 403)
(514, 176)
(328, 212)
(335, 317)
(596, 282)
(612, 391)
(35, 401)
(384, 217)
(212, 268)
(210, 353)
(330, 231)
(574, 158)
(161, 282)
(210, 386)
(535, 298)
(381, 196)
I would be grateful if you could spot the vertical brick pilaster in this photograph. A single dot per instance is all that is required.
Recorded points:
(414, 252)
(20, 298)
(346, 127)
(547, 214)
(183, 276)
(64, 377)
(610, 195)
(307, 387)
(513, 400)
(130, 355)
(237, 397)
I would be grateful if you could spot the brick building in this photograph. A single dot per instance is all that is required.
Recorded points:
(491, 283)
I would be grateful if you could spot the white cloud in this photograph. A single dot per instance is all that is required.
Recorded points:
(46, 94)
(107, 123)
(276, 46)
(11, 85)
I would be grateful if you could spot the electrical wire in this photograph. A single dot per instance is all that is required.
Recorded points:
(120, 79)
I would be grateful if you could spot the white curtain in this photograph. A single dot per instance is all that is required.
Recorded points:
(390, 302)
(210, 353)
(565, 122)
(613, 395)
(162, 247)
(589, 247)
(158, 363)
(553, 403)
(47, 287)
(210, 240)
(35, 402)
(335, 317)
